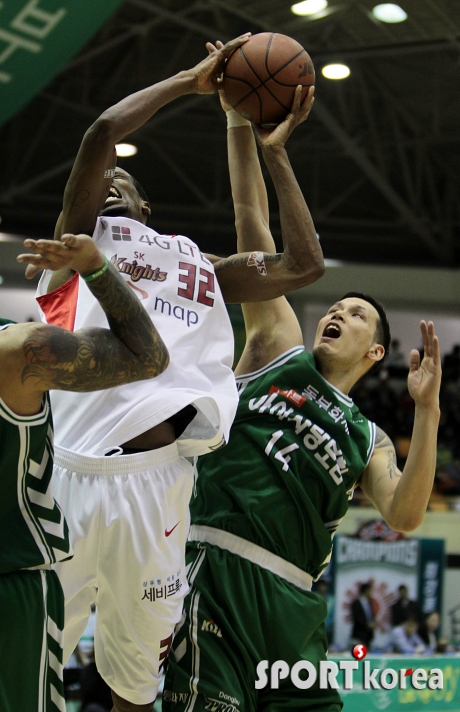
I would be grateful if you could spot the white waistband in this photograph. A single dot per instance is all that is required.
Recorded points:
(252, 552)
(118, 464)
(40, 567)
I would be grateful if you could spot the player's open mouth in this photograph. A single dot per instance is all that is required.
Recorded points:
(114, 194)
(332, 331)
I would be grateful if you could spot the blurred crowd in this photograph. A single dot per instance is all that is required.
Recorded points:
(412, 632)
(385, 400)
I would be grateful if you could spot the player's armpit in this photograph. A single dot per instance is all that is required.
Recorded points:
(381, 477)
(272, 328)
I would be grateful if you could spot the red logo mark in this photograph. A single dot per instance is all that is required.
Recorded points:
(359, 652)
(408, 672)
(171, 530)
(291, 395)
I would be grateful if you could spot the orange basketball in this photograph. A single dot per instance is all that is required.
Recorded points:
(260, 77)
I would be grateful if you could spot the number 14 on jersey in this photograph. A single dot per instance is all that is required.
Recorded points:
(283, 454)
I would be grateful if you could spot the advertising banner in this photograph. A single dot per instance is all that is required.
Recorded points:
(387, 565)
(430, 578)
(416, 563)
(37, 39)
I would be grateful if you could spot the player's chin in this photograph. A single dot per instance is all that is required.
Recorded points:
(324, 349)
(326, 344)
(115, 211)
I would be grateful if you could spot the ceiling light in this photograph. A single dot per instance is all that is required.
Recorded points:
(388, 12)
(308, 7)
(335, 71)
(125, 149)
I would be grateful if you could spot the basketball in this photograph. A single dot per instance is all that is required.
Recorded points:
(260, 77)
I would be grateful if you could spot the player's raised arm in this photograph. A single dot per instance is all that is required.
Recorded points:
(402, 498)
(92, 174)
(301, 262)
(37, 357)
(271, 326)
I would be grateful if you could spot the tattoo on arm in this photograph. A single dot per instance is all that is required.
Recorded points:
(92, 359)
(392, 466)
(383, 441)
(236, 260)
(78, 200)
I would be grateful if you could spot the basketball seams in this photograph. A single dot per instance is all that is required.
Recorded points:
(283, 67)
(272, 75)
(254, 91)
(262, 83)
(267, 52)
(252, 62)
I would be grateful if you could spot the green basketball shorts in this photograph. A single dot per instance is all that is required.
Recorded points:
(236, 615)
(32, 616)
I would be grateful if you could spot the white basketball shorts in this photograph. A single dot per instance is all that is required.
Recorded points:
(128, 519)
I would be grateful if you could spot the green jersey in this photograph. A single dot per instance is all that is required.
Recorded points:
(33, 531)
(297, 447)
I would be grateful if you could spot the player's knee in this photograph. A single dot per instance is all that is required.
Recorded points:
(121, 705)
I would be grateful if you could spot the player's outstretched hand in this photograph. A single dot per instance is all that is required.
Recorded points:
(223, 99)
(76, 252)
(424, 378)
(208, 71)
(278, 135)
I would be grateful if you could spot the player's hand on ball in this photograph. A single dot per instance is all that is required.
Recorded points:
(278, 135)
(208, 71)
(76, 252)
(424, 380)
(223, 100)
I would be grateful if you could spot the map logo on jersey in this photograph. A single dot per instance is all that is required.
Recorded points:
(121, 233)
(137, 271)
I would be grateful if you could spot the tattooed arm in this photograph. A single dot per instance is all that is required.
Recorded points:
(270, 322)
(402, 497)
(37, 357)
(301, 261)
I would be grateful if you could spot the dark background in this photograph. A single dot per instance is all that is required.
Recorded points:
(378, 160)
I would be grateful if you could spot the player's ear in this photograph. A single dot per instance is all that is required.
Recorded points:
(376, 352)
(145, 208)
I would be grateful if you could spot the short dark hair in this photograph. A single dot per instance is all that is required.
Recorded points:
(382, 333)
(365, 587)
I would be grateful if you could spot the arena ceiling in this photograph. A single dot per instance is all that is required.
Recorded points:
(378, 159)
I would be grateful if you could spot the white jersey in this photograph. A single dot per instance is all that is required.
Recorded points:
(177, 286)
